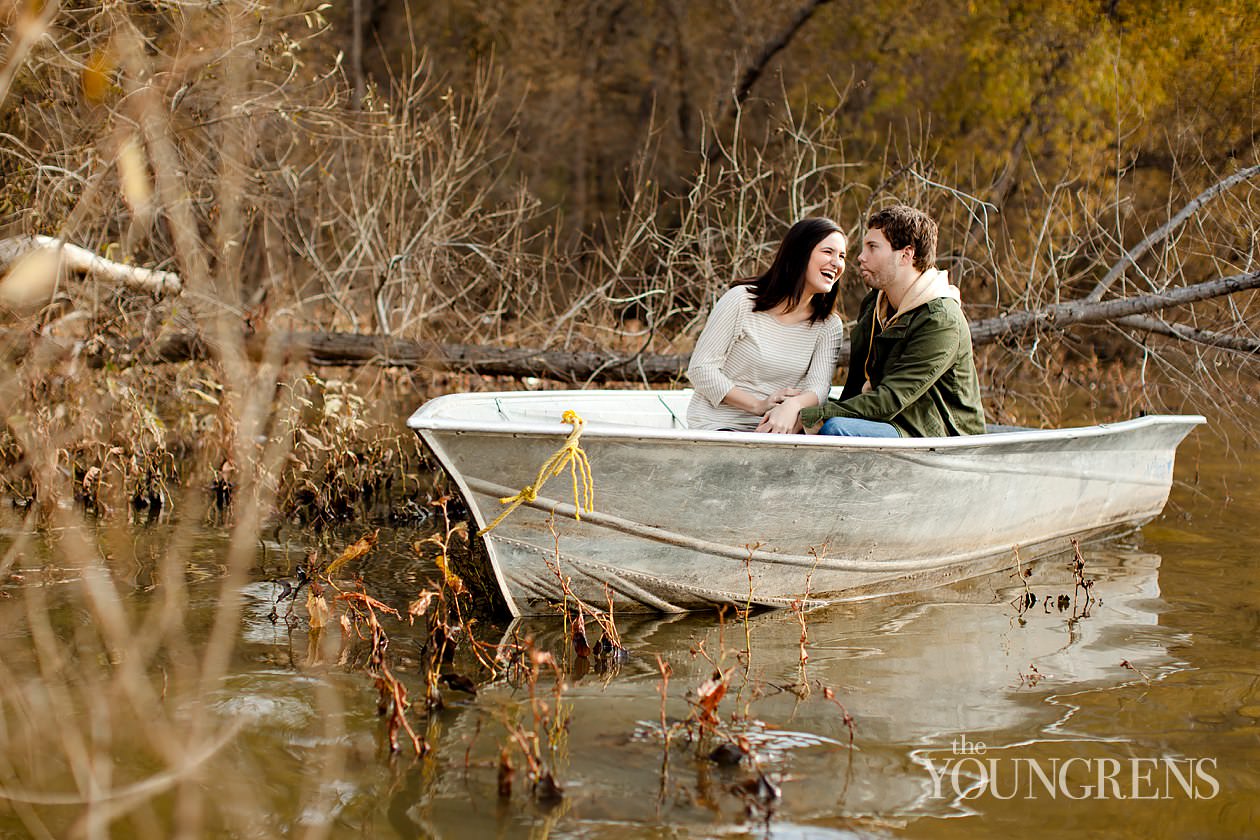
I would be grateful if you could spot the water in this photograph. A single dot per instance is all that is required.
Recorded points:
(1134, 713)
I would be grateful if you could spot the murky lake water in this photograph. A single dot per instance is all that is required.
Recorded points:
(1136, 714)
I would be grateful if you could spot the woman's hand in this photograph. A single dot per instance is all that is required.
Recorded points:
(783, 419)
(780, 412)
(776, 399)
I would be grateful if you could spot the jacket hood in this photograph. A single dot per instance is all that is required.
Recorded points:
(928, 286)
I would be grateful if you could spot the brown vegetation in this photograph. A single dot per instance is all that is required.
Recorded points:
(586, 188)
(412, 209)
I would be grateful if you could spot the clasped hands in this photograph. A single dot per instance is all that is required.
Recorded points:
(781, 413)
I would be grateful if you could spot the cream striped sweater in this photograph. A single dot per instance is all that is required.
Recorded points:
(739, 348)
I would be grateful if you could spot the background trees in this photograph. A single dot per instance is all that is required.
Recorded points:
(587, 178)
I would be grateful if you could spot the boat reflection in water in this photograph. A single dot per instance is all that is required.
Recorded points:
(973, 661)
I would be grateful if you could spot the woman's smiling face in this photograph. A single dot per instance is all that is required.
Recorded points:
(826, 264)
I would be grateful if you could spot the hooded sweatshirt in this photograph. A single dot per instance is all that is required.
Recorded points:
(930, 285)
(911, 366)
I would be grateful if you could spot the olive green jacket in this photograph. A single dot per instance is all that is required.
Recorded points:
(923, 378)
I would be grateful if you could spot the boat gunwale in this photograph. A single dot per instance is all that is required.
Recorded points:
(423, 420)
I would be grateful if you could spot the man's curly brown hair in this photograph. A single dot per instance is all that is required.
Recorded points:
(903, 227)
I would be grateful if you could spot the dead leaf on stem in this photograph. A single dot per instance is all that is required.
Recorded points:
(710, 694)
(420, 606)
(354, 551)
(547, 790)
(453, 581)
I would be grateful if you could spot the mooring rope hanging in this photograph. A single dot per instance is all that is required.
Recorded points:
(569, 455)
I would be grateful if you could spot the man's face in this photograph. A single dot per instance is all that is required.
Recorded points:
(878, 261)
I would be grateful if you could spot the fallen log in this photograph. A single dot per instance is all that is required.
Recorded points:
(1116, 310)
(581, 367)
(336, 349)
(572, 366)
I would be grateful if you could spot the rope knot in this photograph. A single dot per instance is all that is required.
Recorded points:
(527, 494)
(569, 455)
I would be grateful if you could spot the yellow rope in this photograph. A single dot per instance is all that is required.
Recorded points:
(569, 455)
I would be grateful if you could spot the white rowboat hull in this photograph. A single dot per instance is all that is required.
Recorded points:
(692, 519)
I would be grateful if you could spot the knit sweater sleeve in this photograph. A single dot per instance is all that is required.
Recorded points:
(716, 339)
(822, 367)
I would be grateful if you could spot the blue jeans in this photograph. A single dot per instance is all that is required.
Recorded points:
(857, 427)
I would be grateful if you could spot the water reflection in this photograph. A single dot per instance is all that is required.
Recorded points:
(970, 662)
(1065, 672)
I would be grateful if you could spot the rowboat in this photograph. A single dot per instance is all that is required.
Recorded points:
(686, 519)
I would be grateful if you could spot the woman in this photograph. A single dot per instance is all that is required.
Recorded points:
(770, 345)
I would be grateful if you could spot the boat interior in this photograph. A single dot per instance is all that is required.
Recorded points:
(606, 409)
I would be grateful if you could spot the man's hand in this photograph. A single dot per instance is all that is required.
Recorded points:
(783, 419)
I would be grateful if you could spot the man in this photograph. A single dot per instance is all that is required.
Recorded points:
(911, 372)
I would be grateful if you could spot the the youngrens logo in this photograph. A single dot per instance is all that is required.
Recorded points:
(969, 772)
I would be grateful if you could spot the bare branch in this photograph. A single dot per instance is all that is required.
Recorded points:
(1185, 333)
(1085, 311)
(757, 66)
(356, 350)
(79, 259)
(29, 30)
(1162, 233)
